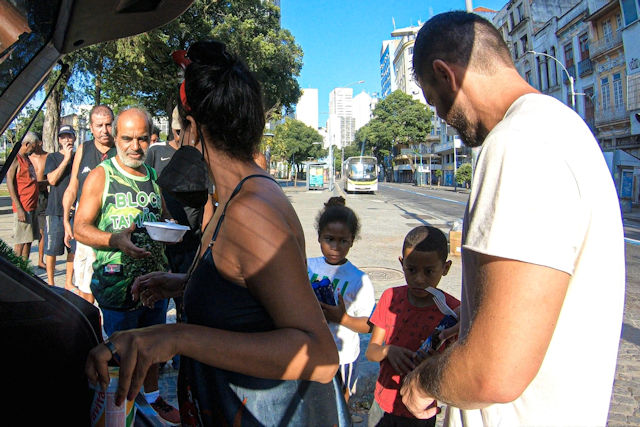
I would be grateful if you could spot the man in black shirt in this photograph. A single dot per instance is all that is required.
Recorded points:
(88, 156)
(57, 170)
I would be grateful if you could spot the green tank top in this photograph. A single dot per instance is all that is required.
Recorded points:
(126, 199)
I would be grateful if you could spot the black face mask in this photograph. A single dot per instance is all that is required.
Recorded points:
(186, 177)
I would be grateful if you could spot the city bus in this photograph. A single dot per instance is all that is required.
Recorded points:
(360, 174)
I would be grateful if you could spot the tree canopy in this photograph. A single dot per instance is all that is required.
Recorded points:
(293, 142)
(397, 119)
(140, 70)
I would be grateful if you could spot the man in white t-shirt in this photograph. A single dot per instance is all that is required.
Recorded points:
(542, 250)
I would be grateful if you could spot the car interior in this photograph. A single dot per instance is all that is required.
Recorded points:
(48, 331)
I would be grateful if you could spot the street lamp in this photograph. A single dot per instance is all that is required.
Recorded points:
(571, 80)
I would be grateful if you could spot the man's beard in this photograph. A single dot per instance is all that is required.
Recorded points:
(128, 162)
(472, 136)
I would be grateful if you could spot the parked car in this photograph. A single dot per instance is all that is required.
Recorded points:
(47, 332)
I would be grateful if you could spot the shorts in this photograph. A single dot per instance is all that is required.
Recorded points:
(43, 199)
(26, 232)
(114, 321)
(54, 237)
(83, 267)
(349, 376)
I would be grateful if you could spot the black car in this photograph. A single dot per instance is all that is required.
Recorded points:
(47, 332)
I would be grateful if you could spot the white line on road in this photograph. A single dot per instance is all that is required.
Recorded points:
(424, 195)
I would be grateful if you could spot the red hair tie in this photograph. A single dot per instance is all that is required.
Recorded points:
(180, 58)
(183, 97)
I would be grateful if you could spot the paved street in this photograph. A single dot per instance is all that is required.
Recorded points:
(385, 218)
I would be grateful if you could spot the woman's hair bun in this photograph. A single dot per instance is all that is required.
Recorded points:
(336, 201)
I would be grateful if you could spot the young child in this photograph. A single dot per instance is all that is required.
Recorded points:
(404, 317)
(337, 227)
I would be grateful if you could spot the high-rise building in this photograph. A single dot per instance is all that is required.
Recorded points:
(403, 61)
(307, 108)
(363, 106)
(341, 123)
(387, 75)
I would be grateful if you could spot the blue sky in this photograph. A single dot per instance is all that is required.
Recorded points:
(341, 40)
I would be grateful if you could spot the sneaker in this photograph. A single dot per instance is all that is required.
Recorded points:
(166, 411)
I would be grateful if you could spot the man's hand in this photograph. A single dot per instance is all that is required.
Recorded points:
(334, 313)
(22, 216)
(68, 233)
(122, 241)
(417, 401)
(67, 149)
(158, 285)
(401, 358)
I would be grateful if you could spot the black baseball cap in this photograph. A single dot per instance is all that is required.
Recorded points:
(66, 129)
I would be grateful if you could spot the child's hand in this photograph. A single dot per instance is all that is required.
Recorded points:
(401, 359)
(334, 313)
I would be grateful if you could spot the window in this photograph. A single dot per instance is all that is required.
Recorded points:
(629, 11)
(589, 112)
(606, 29)
(606, 94)
(520, 12)
(583, 41)
(618, 100)
(568, 55)
(511, 20)
(527, 75)
(553, 73)
(525, 45)
(618, 22)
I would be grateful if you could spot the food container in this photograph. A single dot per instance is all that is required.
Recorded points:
(104, 412)
(168, 232)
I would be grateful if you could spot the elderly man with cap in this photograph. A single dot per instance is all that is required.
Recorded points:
(57, 170)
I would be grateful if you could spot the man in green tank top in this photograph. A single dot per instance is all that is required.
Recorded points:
(118, 196)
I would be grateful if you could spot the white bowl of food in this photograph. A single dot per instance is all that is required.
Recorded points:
(168, 232)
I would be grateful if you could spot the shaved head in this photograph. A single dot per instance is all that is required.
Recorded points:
(460, 38)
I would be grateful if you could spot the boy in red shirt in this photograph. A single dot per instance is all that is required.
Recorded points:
(404, 317)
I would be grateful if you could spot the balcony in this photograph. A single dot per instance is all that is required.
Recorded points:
(605, 44)
(572, 71)
(585, 67)
(611, 115)
(518, 25)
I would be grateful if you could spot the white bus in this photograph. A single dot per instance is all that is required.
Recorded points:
(360, 174)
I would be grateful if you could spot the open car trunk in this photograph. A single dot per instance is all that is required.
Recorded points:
(47, 332)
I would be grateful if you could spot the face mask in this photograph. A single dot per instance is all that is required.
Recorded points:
(186, 177)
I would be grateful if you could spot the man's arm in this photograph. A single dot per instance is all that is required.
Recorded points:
(88, 210)
(11, 186)
(70, 195)
(518, 305)
(56, 174)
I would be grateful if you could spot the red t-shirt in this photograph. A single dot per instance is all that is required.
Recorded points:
(405, 326)
(26, 185)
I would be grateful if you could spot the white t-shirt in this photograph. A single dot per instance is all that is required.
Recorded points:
(542, 194)
(359, 300)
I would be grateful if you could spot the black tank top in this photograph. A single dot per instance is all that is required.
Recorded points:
(210, 396)
(91, 158)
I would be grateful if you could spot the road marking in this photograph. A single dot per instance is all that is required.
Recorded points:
(425, 195)
(632, 241)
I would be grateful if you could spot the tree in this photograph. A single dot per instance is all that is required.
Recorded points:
(438, 176)
(463, 174)
(139, 69)
(397, 119)
(293, 143)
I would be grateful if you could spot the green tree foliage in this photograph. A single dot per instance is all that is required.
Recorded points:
(140, 70)
(293, 142)
(397, 119)
(463, 174)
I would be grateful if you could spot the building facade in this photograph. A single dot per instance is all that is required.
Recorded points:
(307, 108)
(387, 74)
